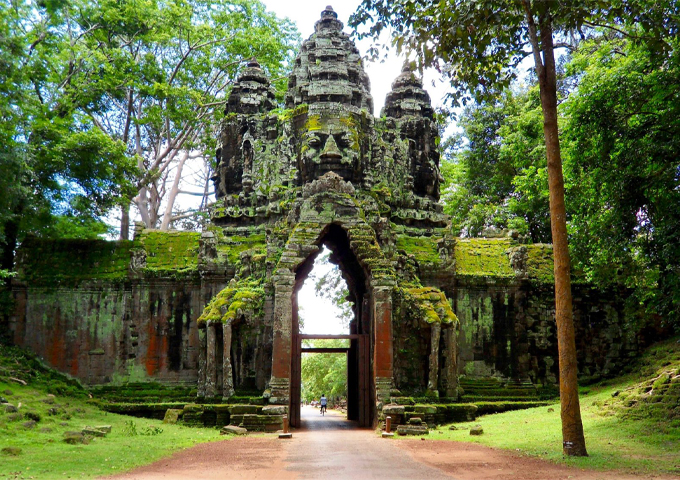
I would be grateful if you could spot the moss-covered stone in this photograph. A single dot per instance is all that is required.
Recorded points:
(244, 298)
(482, 257)
(426, 304)
(65, 261)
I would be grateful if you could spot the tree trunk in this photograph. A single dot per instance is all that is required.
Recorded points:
(125, 221)
(572, 428)
(167, 215)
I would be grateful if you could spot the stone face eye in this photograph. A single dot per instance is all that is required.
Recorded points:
(314, 142)
(343, 140)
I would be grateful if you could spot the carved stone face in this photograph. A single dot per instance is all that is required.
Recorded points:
(330, 145)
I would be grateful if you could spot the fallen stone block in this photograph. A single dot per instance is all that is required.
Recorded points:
(233, 430)
(244, 409)
(393, 410)
(74, 438)
(274, 410)
(476, 430)
(172, 415)
(412, 430)
(93, 432)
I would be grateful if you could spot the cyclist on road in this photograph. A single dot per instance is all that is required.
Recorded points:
(324, 403)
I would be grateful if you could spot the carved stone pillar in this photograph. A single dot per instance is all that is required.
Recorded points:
(227, 377)
(210, 363)
(451, 366)
(202, 345)
(283, 337)
(382, 346)
(433, 379)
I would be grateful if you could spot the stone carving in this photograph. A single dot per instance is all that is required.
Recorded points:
(324, 170)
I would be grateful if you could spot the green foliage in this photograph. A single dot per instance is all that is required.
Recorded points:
(21, 364)
(655, 394)
(628, 425)
(132, 430)
(51, 262)
(424, 249)
(621, 157)
(478, 44)
(331, 286)
(499, 178)
(324, 373)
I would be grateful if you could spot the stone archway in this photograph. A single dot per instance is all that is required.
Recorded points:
(370, 279)
(325, 170)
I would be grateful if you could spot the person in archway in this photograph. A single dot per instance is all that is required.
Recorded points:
(324, 403)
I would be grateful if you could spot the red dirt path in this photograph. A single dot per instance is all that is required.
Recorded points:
(331, 447)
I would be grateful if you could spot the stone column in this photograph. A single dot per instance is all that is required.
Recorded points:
(202, 346)
(283, 337)
(451, 369)
(227, 377)
(382, 338)
(433, 379)
(210, 366)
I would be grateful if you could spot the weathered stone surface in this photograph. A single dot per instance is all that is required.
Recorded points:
(425, 409)
(93, 432)
(172, 415)
(241, 409)
(412, 430)
(74, 437)
(274, 410)
(233, 430)
(393, 410)
(477, 430)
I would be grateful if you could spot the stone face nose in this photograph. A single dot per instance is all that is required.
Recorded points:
(331, 150)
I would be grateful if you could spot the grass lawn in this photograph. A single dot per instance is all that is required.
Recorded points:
(44, 455)
(637, 429)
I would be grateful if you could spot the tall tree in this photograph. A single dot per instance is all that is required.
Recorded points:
(622, 165)
(478, 44)
(497, 177)
(58, 174)
(155, 75)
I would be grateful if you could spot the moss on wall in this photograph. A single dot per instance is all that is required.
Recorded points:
(171, 252)
(540, 263)
(425, 304)
(482, 257)
(232, 246)
(51, 262)
(424, 249)
(243, 298)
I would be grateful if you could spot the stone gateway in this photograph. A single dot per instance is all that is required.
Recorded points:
(218, 309)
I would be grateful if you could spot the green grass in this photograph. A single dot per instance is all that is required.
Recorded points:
(44, 455)
(621, 434)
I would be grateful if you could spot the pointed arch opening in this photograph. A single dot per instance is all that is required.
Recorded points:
(357, 335)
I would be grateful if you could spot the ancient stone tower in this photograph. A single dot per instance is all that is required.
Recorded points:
(325, 171)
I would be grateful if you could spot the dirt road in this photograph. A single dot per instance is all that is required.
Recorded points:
(330, 447)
